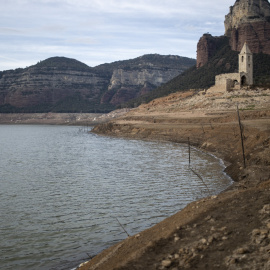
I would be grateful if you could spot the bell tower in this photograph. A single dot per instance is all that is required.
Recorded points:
(246, 66)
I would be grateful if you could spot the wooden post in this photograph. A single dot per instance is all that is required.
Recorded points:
(201, 180)
(203, 128)
(188, 152)
(123, 227)
(242, 139)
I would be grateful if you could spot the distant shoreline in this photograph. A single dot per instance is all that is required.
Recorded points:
(49, 118)
(75, 119)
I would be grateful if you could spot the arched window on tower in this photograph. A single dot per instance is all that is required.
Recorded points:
(242, 59)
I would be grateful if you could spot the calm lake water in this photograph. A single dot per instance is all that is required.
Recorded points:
(62, 190)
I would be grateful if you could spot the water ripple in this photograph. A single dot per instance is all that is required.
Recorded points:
(63, 190)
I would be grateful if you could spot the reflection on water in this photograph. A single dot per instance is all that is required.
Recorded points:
(62, 191)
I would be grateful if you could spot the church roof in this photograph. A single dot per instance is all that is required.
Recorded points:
(245, 49)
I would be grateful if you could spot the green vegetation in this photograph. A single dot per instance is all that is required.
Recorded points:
(77, 103)
(262, 70)
(149, 60)
(71, 104)
(62, 63)
(248, 108)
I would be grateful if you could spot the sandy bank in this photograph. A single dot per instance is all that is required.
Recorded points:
(228, 231)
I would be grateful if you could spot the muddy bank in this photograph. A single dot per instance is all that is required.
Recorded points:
(218, 133)
(227, 231)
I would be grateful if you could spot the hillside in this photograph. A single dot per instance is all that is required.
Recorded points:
(224, 60)
(159, 61)
(60, 84)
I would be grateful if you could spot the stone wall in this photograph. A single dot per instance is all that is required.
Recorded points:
(227, 81)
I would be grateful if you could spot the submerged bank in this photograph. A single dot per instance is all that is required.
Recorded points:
(228, 231)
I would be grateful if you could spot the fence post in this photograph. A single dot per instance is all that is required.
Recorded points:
(242, 139)
(188, 152)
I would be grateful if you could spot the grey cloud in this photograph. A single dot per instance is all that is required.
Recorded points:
(7, 30)
(97, 31)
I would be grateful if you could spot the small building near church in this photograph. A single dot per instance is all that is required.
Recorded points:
(244, 77)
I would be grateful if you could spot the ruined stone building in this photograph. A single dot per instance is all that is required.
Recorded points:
(244, 77)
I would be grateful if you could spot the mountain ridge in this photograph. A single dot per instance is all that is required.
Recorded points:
(62, 84)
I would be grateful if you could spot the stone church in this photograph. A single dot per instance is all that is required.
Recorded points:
(244, 77)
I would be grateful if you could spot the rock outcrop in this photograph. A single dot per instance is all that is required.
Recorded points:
(66, 85)
(128, 84)
(206, 48)
(248, 21)
(42, 85)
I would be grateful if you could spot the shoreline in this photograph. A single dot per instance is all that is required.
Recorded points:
(152, 249)
(74, 119)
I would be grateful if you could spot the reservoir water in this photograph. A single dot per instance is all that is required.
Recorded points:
(62, 190)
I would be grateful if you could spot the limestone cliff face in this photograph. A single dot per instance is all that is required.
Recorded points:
(35, 86)
(63, 84)
(45, 85)
(246, 11)
(128, 84)
(249, 21)
(133, 78)
(155, 76)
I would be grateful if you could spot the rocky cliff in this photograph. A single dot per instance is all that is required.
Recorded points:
(49, 82)
(206, 48)
(67, 85)
(128, 84)
(247, 21)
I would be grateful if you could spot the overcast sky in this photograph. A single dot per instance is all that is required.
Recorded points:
(103, 31)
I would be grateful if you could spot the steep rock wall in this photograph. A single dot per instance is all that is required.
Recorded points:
(35, 86)
(246, 11)
(248, 21)
(155, 76)
(128, 84)
(256, 34)
(207, 47)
